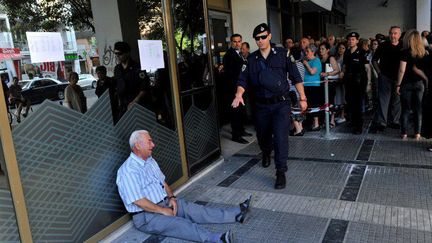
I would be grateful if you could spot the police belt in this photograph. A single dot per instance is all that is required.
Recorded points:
(273, 100)
(159, 203)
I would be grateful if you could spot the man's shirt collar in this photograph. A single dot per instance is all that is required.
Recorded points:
(138, 159)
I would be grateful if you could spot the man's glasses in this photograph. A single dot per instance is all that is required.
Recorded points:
(262, 37)
(117, 53)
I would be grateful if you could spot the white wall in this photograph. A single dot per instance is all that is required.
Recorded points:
(247, 14)
(369, 18)
(423, 15)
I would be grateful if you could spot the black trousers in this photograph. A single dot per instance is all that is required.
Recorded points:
(389, 106)
(272, 124)
(237, 121)
(355, 93)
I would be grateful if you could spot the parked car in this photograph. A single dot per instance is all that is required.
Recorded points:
(39, 89)
(87, 81)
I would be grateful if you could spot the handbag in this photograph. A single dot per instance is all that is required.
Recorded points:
(329, 69)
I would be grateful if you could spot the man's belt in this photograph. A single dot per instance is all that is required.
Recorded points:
(273, 100)
(133, 213)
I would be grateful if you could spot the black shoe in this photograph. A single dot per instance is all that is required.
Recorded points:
(24, 115)
(299, 134)
(227, 237)
(244, 209)
(280, 180)
(18, 119)
(315, 129)
(240, 140)
(246, 134)
(266, 160)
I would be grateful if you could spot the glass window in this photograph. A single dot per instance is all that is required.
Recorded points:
(190, 36)
(36, 84)
(47, 82)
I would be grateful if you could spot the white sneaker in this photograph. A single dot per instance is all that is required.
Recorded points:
(340, 120)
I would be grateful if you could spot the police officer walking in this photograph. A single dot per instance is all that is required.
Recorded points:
(266, 75)
(355, 80)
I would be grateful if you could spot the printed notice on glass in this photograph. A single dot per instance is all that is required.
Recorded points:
(151, 54)
(45, 46)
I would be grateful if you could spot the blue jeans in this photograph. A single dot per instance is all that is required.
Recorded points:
(411, 99)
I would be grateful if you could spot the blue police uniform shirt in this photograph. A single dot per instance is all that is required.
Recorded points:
(137, 179)
(277, 61)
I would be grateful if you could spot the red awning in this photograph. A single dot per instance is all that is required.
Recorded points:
(10, 53)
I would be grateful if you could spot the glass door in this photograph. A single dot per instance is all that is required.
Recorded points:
(197, 89)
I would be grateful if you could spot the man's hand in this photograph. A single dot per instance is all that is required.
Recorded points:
(167, 212)
(173, 205)
(303, 105)
(398, 90)
(237, 101)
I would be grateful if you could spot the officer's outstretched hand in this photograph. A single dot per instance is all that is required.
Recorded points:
(237, 101)
(303, 105)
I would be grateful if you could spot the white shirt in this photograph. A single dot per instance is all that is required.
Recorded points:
(137, 179)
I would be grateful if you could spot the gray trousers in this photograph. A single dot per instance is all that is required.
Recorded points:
(389, 106)
(185, 224)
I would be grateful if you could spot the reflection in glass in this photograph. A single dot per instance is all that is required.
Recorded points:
(158, 93)
(190, 36)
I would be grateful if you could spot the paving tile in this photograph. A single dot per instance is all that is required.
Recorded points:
(395, 186)
(364, 232)
(303, 178)
(340, 149)
(402, 152)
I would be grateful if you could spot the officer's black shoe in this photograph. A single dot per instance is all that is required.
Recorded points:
(280, 180)
(244, 209)
(247, 134)
(240, 140)
(227, 237)
(266, 160)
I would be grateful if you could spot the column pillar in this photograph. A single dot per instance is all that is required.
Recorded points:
(115, 20)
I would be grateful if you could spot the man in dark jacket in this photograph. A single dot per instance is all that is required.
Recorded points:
(233, 63)
(107, 83)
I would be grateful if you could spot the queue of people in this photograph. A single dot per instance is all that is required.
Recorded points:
(270, 75)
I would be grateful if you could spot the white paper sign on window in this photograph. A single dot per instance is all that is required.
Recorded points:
(45, 46)
(151, 54)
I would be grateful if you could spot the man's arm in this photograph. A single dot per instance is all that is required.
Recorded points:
(149, 206)
(300, 90)
(375, 58)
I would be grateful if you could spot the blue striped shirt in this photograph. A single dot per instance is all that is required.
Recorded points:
(137, 179)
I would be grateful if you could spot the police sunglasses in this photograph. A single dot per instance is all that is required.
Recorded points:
(262, 37)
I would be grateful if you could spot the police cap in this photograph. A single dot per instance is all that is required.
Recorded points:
(260, 28)
(353, 34)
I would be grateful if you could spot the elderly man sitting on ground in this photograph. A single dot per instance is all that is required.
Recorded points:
(155, 209)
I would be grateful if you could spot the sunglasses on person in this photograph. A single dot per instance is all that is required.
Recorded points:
(262, 37)
(118, 53)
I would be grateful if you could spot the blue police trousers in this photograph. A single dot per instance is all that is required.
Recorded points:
(185, 224)
(272, 125)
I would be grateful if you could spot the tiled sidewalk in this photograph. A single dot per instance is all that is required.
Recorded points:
(367, 188)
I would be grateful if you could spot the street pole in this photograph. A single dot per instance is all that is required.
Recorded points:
(327, 134)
